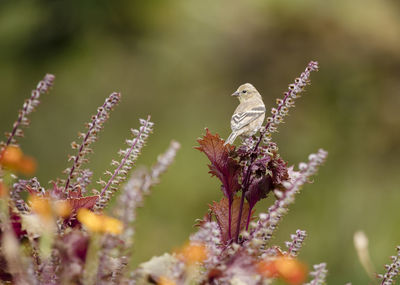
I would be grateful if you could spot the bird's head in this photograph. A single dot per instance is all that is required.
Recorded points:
(246, 92)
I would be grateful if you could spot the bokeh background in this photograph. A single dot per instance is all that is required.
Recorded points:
(179, 61)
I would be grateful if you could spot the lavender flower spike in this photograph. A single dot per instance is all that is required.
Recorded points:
(27, 108)
(132, 196)
(19, 187)
(280, 112)
(129, 155)
(94, 127)
(295, 245)
(319, 274)
(137, 187)
(210, 235)
(164, 161)
(392, 270)
(83, 180)
(268, 222)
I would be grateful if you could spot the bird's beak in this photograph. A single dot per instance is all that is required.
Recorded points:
(236, 94)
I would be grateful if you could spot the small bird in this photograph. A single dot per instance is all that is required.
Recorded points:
(249, 115)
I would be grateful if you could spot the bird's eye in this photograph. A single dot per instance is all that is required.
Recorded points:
(244, 91)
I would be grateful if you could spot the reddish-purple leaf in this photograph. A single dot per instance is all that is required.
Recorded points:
(73, 249)
(5, 275)
(221, 211)
(222, 166)
(258, 189)
(85, 202)
(75, 245)
(16, 223)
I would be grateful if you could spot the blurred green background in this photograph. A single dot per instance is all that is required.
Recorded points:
(179, 61)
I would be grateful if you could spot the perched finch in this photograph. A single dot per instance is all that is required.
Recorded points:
(249, 115)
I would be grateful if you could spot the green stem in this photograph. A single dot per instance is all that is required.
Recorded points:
(92, 260)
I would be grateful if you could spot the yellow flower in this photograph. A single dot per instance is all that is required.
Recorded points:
(111, 225)
(90, 220)
(99, 223)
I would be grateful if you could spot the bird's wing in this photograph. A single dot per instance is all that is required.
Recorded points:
(242, 119)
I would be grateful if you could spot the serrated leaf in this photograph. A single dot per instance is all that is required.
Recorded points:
(221, 211)
(222, 165)
(85, 202)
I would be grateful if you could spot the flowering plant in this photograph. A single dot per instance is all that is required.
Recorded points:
(62, 236)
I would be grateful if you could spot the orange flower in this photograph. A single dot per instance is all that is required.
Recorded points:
(41, 206)
(287, 268)
(99, 223)
(13, 159)
(11, 155)
(3, 190)
(27, 165)
(165, 281)
(193, 253)
(47, 209)
(62, 208)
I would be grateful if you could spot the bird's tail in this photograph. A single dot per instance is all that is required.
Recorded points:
(231, 138)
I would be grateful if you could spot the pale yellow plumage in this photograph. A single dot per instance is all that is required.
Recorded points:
(249, 115)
